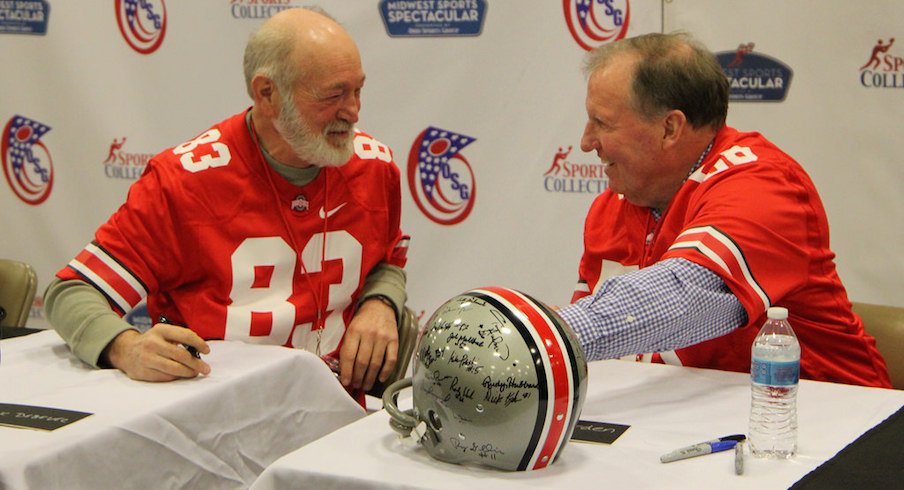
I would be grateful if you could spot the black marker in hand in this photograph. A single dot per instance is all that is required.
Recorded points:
(191, 350)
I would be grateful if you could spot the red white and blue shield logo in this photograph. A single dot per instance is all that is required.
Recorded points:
(440, 177)
(596, 22)
(27, 164)
(142, 23)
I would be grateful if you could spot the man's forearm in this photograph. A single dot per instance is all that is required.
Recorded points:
(666, 306)
(83, 318)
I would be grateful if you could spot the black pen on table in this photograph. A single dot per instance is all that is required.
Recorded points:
(191, 350)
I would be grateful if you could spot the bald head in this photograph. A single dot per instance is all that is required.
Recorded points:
(304, 73)
(296, 43)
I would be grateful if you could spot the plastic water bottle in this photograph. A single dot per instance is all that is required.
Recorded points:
(774, 376)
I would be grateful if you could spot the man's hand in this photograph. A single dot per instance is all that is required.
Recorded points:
(370, 348)
(158, 354)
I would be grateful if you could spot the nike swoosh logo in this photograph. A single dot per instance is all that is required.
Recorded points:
(326, 214)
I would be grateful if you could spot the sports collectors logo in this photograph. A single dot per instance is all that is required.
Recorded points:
(596, 22)
(569, 177)
(24, 16)
(27, 163)
(440, 177)
(754, 77)
(883, 70)
(124, 165)
(258, 9)
(142, 23)
(433, 18)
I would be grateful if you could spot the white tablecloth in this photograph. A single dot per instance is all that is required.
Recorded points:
(667, 408)
(219, 431)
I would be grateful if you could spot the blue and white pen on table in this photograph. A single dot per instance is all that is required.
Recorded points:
(700, 449)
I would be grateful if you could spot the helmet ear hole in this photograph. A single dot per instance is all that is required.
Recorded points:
(435, 423)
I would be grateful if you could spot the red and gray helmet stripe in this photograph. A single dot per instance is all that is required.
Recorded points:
(557, 379)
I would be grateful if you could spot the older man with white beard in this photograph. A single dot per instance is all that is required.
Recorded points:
(279, 225)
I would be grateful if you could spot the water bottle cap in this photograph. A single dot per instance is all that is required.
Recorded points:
(777, 313)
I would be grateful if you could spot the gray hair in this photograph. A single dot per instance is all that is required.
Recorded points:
(674, 71)
(269, 52)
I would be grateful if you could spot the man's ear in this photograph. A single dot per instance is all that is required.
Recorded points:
(673, 126)
(266, 95)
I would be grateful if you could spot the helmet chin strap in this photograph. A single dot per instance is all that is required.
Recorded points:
(405, 423)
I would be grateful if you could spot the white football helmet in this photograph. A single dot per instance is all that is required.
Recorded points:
(499, 380)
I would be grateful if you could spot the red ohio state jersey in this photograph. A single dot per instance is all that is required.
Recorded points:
(751, 215)
(219, 242)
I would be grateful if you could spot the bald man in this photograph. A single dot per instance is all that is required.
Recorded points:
(279, 225)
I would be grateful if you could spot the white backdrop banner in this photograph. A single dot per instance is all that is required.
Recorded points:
(483, 99)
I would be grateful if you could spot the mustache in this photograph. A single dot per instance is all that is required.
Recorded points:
(338, 126)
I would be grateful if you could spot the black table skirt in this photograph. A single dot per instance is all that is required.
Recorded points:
(874, 460)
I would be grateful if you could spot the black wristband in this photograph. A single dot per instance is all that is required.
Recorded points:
(382, 297)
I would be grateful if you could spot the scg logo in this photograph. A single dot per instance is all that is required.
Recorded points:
(596, 22)
(440, 177)
(142, 23)
(27, 164)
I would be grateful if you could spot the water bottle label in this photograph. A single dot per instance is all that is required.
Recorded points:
(775, 373)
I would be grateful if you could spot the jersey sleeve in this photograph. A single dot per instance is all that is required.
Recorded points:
(134, 249)
(398, 254)
(377, 187)
(746, 227)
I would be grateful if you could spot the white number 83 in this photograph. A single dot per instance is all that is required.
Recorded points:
(217, 156)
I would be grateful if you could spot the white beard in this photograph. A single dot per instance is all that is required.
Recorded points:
(311, 147)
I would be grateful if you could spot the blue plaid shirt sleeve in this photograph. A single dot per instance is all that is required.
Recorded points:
(671, 304)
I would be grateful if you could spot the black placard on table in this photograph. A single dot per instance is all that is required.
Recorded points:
(40, 418)
(598, 432)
